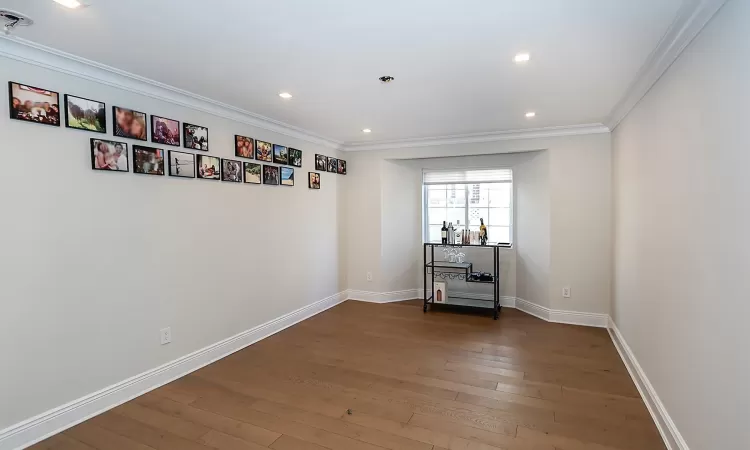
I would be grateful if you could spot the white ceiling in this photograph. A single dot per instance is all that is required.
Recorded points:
(452, 60)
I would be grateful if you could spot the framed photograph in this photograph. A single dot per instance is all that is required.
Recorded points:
(321, 162)
(270, 175)
(208, 167)
(252, 173)
(181, 164)
(280, 154)
(295, 157)
(333, 165)
(313, 181)
(33, 104)
(244, 147)
(287, 176)
(441, 296)
(231, 170)
(342, 167)
(196, 137)
(84, 114)
(263, 151)
(147, 160)
(129, 123)
(109, 155)
(165, 131)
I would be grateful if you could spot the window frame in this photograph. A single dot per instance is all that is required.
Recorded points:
(468, 193)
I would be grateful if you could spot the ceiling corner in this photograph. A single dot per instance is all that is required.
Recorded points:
(690, 20)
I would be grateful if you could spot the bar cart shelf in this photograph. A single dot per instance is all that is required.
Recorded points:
(462, 272)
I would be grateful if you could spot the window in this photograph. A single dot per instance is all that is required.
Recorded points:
(464, 197)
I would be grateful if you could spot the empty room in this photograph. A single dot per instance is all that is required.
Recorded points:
(351, 225)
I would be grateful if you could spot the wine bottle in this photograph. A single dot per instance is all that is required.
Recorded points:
(444, 234)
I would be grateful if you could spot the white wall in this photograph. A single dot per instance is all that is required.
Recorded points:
(581, 173)
(93, 264)
(681, 266)
(532, 229)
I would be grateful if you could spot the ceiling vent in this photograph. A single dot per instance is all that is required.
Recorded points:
(12, 19)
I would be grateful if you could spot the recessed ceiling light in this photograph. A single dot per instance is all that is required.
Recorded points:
(72, 4)
(522, 58)
(285, 95)
(530, 114)
(367, 130)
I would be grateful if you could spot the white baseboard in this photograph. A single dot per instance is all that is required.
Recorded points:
(561, 316)
(668, 430)
(383, 297)
(505, 301)
(63, 417)
(550, 315)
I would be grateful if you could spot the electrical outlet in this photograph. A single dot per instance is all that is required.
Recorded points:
(369, 276)
(166, 335)
(566, 292)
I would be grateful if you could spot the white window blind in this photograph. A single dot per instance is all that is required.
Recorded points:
(463, 197)
(467, 176)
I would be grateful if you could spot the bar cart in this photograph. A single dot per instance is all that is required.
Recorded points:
(463, 271)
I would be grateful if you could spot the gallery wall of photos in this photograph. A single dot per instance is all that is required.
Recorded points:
(42, 106)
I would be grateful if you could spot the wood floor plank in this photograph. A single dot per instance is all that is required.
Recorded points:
(338, 426)
(290, 443)
(223, 441)
(103, 439)
(242, 430)
(436, 438)
(245, 413)
(61, 442)
(413, 381)
(145, 434)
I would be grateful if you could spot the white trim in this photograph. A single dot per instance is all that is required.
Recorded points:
(49, 58)
(532, 308)
(532, 133)
(690, 20)
(58, 419)
(505, 300)
(667, 428)
(383, 297)
(550, 315)
(585, 319)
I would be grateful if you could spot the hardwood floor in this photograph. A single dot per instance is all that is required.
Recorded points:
(363, 376)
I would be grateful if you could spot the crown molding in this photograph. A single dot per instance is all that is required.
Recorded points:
(690, 20)
(49, 58)
(531, 133)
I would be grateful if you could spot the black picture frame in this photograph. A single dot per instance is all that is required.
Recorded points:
(161, 140)
(102, 108)
(313, 184)
(268, 175)
(94, 147)
(247, 165)
(263, 151)
(239, 138)
(295, 157)
(185, 135)
(341, 167)
(175, 172)
(141, 149)
(333, 165)
(15, 111)
(321, 162)
(224, 174)
(119, 132)
(280, 154)
(283, 170)
(213, 172)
